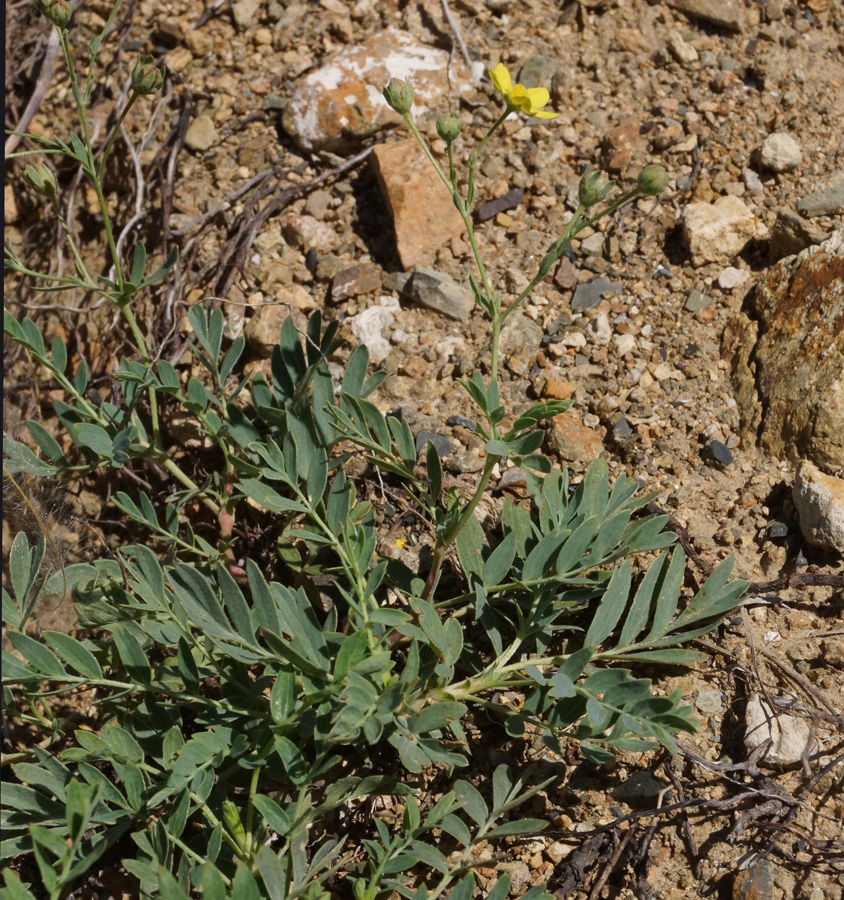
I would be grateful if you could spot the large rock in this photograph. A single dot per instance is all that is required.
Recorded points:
(819, 501)
(717, 232)
(787, 350)
(424, 216)
(340, 103)
(724, 13)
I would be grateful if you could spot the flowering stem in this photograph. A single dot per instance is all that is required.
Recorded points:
(473, 159)
(114, 133)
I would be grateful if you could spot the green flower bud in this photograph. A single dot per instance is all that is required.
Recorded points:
(41, 180)
(448, 128)
(594, 187)
(57, 11)
(147, 78)
(399, 96)
(652, 180)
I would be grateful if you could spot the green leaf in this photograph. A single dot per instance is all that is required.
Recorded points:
(471, 801)
(283, 697)
(270, 499)
(611, 606)
(434, 471)
(499, 562)
(519, 826)
(74, 653)
(131, 653)
(95, 438)
(465, 888)
(37, 655)
(24, 564)
(48, 444)
(162, 271)
(139, 261)
(19, 458)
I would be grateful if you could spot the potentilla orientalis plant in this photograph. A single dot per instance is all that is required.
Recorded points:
(242, 717)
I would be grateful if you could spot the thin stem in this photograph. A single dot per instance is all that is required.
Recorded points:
(473, 159)
(114, 133)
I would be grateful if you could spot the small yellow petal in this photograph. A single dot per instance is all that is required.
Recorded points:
(539, 97)
(543, 114)
(501, 80)
(400, 543)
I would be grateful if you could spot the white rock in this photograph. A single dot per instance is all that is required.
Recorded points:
(593, 245)
(573, 339)
(245, 13)
(600, 330)
(788, 734)
(753, 182)
(718, 231)
(819, 500)
(780, 152)
(201, 134)
(681, 49)
(369, 326)
(624, 343)
(732, 277)
(306, 233)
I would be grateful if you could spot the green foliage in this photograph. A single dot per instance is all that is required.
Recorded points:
(245, 714)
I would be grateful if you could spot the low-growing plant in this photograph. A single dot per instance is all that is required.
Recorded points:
(246, 725)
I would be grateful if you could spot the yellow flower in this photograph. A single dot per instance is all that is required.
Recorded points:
(527, 100)
(400, 543)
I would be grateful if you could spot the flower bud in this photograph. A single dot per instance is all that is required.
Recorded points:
(594, 187)
(147, 78)
(448, 128)
(57, 11)
(652, 180)
(399, 96)
(41, 180)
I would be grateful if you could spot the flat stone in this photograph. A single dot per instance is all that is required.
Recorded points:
(440, 292)
(717, 232)
(369, 327)
(566, 275)
(756, 883)
(828, 201)
(753, 182)
(441, 443)
(709, 702)
(599, 330)
(538, 71)
(338, 105)
(787, 349)
(681, 49)
(695, 301)
(201, 134)
(491, 208)
(355, 280)
(791, 234)
(819, 501)
(588, 294)
(724, 13)
(263, 330)
(573, 441)
(640, 785)
(519, 333)
(462, 422)
(788, 734)
(621, 145)
(308, 233)
(780, 152)
(424, 217)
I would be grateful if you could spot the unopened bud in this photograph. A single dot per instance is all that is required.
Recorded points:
(147, 78)
(594, 187)
(399, 96)
(448, 128)
(652, 180)
(41, 180)
(57, 11)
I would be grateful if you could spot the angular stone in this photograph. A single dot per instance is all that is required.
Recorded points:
(245, 13)
(263, 330)
(589, 293)
(681, 49)
(369, 326)
(355, 280)
(780, 152)
(756, 883)
(828, 201)
(620, 145)
(719, 231)
(724, 13)
(788, 734)
(573, 441)
(201, 134)
(424, 216)
(510, 200)
(339, 104)
(787, 349)
(441, 293)
(309, 233)
(791, 234)
(441, 443)
(819, 501)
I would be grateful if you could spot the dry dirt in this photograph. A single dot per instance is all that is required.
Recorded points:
(611, 66)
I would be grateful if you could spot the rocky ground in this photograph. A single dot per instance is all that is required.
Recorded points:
(702, 356)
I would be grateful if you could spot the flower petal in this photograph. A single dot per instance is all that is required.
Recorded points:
(539, 97)
(544, 114)
(501, 80)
